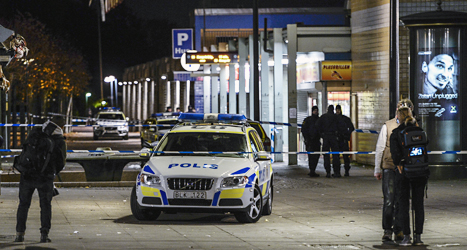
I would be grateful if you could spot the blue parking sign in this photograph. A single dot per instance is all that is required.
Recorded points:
(182, 41)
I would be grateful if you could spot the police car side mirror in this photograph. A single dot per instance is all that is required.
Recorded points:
(127, 119)
(262, 156)
(145, 153)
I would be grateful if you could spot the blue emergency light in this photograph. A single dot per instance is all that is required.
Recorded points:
(110, 108)
(210, 117)
(166, 114)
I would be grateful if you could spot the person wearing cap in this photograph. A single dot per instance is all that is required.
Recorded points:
(345, 127)
(327, 127)
(312, 140)
(168, 109)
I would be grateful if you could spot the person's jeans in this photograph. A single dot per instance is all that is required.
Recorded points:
(45, 188)
(391, 205)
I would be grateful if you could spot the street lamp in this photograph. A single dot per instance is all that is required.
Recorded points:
(111, 79)
(87, 96)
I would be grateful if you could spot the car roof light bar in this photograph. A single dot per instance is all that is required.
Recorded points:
(212, 118)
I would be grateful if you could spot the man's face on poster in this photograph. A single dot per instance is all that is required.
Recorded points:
(439, 71)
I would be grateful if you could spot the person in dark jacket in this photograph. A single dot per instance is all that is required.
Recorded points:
(327, 127)
(43, 182)
(345, 127)
(414, 188)
(312, 140)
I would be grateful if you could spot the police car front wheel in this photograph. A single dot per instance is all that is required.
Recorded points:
(254, 209)
(142, 213)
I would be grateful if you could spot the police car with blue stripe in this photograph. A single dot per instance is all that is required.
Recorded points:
(206, 163)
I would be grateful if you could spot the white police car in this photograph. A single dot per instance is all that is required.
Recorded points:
(206, 163)
(110, 122)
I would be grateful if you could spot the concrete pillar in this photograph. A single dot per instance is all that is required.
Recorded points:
(292, 91)
(207, 89)
(138, 102)
(133, 100)
(267, 92)
(243, 54)
(124, 110)
(214, 90)
(167, 93)
(145, 103)
(177, 95)
(152, 97)
(186, 96)
(252, 79)
(223, 89)
(278, 93)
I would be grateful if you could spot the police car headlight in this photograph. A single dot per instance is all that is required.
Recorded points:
(150, 179)
(235, 181)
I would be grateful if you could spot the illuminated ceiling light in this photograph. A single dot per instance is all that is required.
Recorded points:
(148, 79)
(163, 77)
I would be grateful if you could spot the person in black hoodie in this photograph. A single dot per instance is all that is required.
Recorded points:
(312, 140)
(327, 126)
(407, 187)
(43, 182)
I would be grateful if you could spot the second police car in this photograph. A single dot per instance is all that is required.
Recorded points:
(206, 163)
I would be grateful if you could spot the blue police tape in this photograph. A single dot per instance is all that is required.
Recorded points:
(223, 152)
(171, 125)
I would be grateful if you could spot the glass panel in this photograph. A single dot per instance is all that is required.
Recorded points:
(436, 89)
(341, 98)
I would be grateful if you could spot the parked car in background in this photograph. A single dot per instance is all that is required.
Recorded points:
(156, 126)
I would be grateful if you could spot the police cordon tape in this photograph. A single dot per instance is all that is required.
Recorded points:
(225, 152)
(170, 125)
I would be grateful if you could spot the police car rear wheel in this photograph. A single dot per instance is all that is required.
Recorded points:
(142, 213)
(267, 209)
(254, 209)
(125, 137)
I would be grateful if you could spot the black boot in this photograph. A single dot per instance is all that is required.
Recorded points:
(45, 238)
(417, 240)
(328, 175)
(347, 172)
(19, 237)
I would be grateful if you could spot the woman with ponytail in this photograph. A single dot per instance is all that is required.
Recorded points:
(407, 186)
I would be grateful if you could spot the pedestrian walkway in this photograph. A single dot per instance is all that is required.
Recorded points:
(308, 213)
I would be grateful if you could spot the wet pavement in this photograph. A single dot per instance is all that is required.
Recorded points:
(308, 213)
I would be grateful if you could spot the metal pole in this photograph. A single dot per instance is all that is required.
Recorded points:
(394, 59)
(256, 61)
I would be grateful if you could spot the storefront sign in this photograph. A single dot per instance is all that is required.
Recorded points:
(336, 70)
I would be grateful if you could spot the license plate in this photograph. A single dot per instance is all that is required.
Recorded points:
(189, 195)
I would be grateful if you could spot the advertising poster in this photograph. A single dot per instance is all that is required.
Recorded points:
(438, 83)
(437, 90)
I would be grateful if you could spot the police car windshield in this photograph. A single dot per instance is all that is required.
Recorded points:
(111, 116)
(211, 142)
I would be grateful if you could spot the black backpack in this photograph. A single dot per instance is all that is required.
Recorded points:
(414, 142)
(36, 153)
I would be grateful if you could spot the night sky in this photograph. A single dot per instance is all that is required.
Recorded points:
(135, 32)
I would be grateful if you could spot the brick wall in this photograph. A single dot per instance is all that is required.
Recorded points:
(370, 58)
